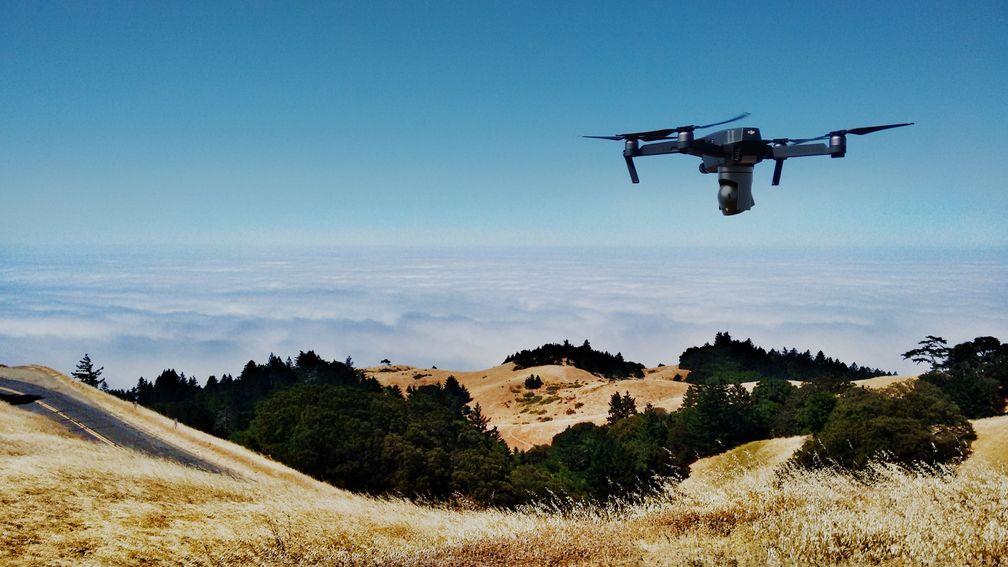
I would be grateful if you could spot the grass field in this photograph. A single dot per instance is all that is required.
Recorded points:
(568, 395)
(66, 501)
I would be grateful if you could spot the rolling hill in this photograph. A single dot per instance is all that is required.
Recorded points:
(71, 501)
(568, 395)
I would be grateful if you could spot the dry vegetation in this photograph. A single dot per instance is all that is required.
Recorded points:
(569, 395)
(66, 501)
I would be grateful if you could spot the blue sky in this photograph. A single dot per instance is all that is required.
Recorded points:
(458, 123)
(196, 184)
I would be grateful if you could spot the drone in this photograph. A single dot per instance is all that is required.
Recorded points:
(732, 153)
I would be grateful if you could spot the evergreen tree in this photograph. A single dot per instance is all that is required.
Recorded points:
(932, 350)
(974, 373)
(87, 373)
(621, 407)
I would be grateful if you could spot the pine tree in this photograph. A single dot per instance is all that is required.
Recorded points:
(621, 407)
(478, 419)
(87, 374)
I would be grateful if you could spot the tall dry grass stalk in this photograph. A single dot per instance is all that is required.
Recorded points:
(64, 501)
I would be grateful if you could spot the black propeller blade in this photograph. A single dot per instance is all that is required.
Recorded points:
(665, 133)
(869, 129)
(691, 128)
(649, 136)
(856, 131)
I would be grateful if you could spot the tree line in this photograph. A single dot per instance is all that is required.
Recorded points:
(329, 420)
(730, 360)
(586, 358)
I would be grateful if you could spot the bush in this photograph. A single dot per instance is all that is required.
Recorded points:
(906, 423)
(533, 382)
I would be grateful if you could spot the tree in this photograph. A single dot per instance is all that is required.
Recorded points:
(716, 417)
(972, 373)
(932, 351)
(87, 374)
(477, 418)
(904, 423)
(621, 407)
(769, 397)
(386, 362)
(533, 382)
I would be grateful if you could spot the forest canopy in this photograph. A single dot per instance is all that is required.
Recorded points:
(732, 361)
(586, 358)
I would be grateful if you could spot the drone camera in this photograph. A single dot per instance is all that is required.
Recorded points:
(735, 195)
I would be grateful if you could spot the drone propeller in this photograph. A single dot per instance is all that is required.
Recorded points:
(649, 136)
(694, 127)
(856, 131)
(665, 133)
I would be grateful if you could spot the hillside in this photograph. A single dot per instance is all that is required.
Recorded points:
(991, 445)
(70, 501)
(568, 395)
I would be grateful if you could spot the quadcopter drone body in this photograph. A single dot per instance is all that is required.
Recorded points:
(732, 153)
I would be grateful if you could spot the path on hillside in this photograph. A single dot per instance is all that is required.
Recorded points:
(93, 423)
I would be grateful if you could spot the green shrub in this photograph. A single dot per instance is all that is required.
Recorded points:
(909, 422)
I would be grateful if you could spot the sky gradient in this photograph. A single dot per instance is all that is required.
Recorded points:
(191, 185)
(452, 123)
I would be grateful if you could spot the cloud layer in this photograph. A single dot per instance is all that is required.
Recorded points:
(465, 309)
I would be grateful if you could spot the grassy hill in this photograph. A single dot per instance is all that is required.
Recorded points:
(68, 501)
(568, 395)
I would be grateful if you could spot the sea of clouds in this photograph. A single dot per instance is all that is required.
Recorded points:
(209, 312)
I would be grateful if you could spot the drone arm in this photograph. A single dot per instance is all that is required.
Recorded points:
(632, 150)
(784, 152)
(658, 149)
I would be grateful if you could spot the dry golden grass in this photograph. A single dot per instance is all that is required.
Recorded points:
(991, 445)
(880, 382)
(65, 501)
(230, 456)
(569, 395)
(756, 459)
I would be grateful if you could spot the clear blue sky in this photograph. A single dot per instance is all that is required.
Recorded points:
(458, 123)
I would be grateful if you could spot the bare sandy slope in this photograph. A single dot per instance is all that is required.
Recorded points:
(879, 382)
(532, 417)
(568, 396)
